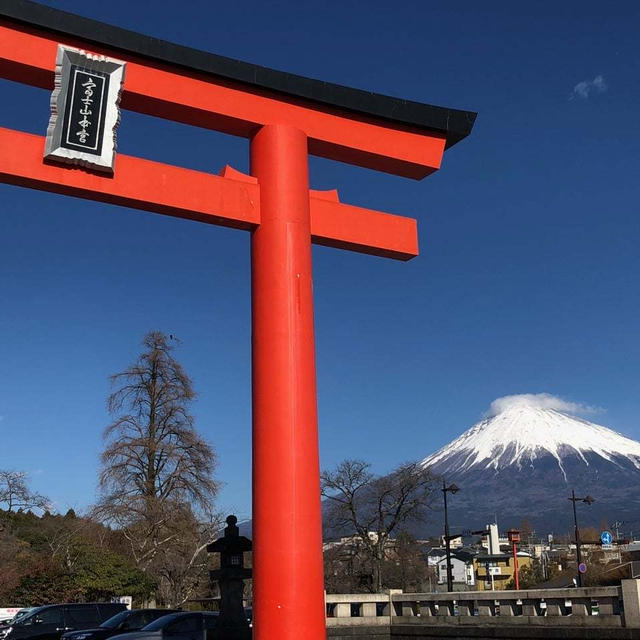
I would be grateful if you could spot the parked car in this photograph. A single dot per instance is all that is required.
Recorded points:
(22, 612)
(51, 621)
(121, 623)
(189, 625)
(5, 625)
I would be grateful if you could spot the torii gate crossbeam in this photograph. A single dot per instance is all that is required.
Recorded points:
(285, 117)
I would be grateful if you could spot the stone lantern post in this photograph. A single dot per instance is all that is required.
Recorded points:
(232, 623)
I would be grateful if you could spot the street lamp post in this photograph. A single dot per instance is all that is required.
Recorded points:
(588, 500)
(447, 538)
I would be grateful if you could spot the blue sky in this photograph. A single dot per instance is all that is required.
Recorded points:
(527, 280)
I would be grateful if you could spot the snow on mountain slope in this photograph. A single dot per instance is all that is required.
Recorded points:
(527, 427)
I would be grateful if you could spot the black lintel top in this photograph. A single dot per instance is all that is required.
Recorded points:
(453, 123)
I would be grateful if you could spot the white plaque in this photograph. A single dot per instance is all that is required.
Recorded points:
(85, 110)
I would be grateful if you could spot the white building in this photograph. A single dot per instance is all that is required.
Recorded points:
(461, 570)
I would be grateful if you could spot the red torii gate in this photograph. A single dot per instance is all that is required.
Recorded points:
(285, 117)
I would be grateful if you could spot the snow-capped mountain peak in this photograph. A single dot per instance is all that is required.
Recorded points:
(525, 428)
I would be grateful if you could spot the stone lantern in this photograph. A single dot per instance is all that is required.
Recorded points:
(232, 623)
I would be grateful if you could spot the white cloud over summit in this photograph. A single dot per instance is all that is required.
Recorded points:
(539, 401)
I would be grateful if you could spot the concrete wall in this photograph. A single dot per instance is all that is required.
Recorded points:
(598, 609)
(398, 632)
(631, 600)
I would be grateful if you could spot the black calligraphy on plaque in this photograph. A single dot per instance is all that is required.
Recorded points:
(84, 112)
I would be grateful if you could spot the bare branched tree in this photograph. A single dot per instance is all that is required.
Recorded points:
(181, 568)
(374, 507)
(66, 537)
(16, 495)
(154, 463)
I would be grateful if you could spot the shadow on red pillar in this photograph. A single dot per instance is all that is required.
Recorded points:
(288, 597)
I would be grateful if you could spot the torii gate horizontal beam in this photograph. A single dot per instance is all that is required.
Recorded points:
(366, 131)
(455, 124)
(184, 193)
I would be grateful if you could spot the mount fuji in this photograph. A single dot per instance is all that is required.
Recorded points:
(524, 458)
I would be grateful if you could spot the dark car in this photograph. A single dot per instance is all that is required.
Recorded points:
(51, 621)
(5, 625)
(121, 623)
(190, 625)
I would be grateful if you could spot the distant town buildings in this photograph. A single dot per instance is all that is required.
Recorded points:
(483, 560)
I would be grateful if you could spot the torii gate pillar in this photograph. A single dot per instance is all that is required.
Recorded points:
(287, 576)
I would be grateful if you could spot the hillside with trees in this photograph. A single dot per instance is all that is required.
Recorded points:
(65, 558)
(147, 535)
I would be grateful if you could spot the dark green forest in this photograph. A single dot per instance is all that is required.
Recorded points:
(64, 558)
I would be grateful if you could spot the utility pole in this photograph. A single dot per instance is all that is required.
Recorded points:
(616, 525)
(588, 500)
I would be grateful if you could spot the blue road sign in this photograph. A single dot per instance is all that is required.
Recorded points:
(606, 537)
(582, 567)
